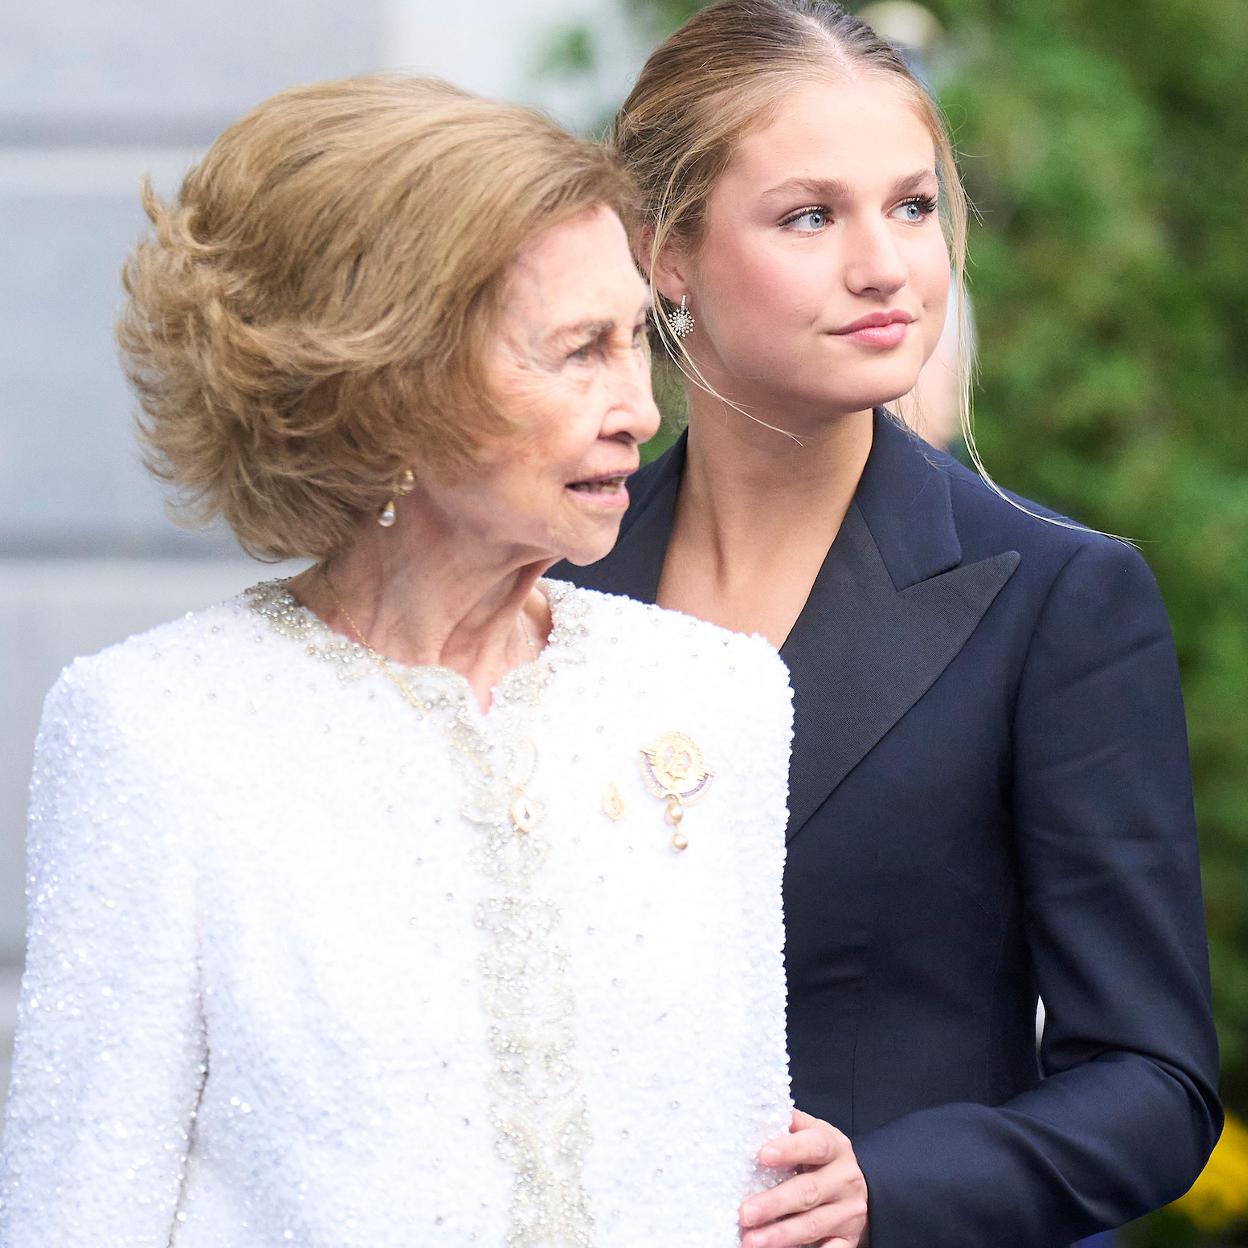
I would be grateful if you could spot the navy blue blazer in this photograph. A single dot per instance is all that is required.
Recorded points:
(989, 800)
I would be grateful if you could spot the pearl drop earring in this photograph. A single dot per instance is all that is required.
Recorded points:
(389, 513)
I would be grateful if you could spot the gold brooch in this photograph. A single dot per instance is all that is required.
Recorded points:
(672, 769)
(613, 804)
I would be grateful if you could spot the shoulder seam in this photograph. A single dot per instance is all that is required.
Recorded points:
(1035, 626)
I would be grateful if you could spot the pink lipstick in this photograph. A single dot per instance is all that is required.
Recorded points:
(879, 329)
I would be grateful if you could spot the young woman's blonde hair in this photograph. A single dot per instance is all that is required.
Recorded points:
(722, 75)
(311, 314)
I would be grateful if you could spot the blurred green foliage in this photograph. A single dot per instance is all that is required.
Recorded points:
(1105, 145)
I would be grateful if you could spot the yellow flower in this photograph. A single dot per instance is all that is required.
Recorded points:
(1220, 1195)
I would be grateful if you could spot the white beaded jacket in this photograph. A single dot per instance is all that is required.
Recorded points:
(298, 972)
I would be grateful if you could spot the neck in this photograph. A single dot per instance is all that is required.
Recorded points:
(751, 490)
(474, 611)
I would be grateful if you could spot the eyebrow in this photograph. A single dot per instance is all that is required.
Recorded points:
(834, 188)
(593, 329)
(582, 329)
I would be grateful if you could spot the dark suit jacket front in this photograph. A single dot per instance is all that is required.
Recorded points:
(990, 799)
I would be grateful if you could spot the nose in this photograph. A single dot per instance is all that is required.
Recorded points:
(875, 262)
(634, 412)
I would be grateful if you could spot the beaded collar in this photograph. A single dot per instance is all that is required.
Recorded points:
(436, 686)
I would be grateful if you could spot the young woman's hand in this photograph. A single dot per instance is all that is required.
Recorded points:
(825, 1203)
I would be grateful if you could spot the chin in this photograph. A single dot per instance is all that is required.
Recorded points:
(871, 387)
(582, 557)
(581, 554)
(861, 395)
(873, 396)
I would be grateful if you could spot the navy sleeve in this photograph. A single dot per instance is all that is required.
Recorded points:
(1127, 1112)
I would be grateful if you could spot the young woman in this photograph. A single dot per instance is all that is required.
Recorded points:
(990, 799)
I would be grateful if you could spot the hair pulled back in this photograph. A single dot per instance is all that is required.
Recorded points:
(310, 314)
(721, 76)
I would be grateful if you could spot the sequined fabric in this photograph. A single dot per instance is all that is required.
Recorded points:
(295, 978)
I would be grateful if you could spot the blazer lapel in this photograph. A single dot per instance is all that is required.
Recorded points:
(863, 652)
(890, 609)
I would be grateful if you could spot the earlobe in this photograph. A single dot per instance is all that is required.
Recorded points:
(668, 274)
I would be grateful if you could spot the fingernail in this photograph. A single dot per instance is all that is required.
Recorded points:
(769, 1156)
(749, 1215)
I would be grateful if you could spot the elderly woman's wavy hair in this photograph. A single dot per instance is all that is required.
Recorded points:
(311, 315)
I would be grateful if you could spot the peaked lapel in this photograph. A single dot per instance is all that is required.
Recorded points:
(863, 652)
(891, 607)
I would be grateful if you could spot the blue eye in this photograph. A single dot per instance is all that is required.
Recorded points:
(808, 221)
(917, 209)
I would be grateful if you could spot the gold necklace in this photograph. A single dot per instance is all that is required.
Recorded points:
(523, 811)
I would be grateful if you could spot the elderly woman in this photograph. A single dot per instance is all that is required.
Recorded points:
(416, 900)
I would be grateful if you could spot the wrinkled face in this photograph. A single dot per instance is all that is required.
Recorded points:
(569, 368)
(821, 280)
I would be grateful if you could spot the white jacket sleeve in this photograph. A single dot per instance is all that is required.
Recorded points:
(110, 1052)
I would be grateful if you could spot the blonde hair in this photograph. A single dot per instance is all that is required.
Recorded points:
(722, 75)
(310, 315)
